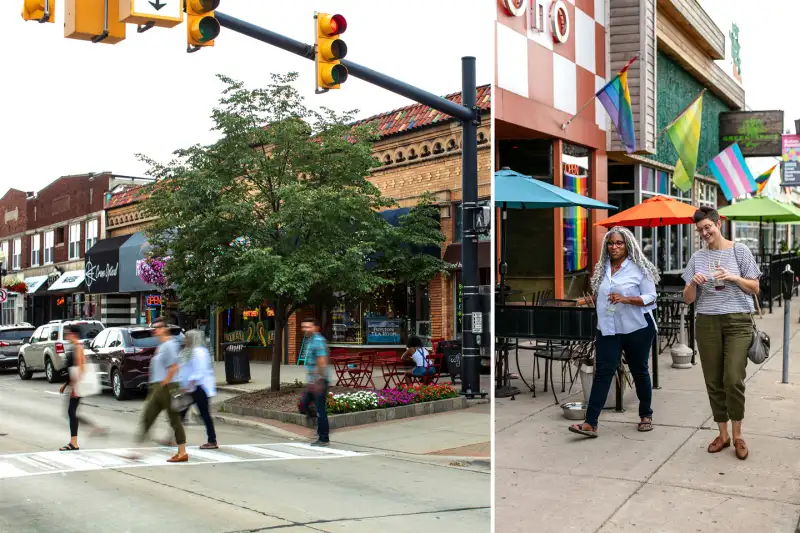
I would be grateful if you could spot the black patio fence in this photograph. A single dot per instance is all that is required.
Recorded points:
(771, 267)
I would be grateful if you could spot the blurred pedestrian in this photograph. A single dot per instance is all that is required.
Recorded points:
(198, 382)
(722, 278)
(164, 387)
(318, 378)
(624, 288)
(76, 366)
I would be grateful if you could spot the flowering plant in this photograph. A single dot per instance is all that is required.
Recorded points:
(429, 393)
(153, 271)
(395, 397)
(15, 285)
(350, 402)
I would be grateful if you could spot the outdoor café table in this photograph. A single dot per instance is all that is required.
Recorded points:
(394, 372)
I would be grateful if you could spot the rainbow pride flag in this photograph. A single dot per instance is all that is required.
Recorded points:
(616, 98)
(576, 226)
(732, 173)
(763, 179)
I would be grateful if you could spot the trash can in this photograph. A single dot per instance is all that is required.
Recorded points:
(451, 363)
(237, 363)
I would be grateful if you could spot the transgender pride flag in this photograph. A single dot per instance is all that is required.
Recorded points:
(732, 173)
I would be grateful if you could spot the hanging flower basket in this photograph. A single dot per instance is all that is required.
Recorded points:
(16, 286)
(153, 271)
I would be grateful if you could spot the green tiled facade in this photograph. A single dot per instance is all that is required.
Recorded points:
(676, 89)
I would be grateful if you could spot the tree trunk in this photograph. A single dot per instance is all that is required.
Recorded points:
(277, 348)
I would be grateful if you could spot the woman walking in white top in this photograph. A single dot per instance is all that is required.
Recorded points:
(624, 284)
(198, 379)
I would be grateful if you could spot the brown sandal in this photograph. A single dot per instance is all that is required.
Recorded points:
(646, 424)
(717, 445)
(584, 429)
(741, 448)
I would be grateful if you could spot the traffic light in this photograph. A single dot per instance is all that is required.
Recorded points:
(39, 10)
(330, 49)
(201, 25)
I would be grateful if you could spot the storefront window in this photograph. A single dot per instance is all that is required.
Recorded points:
(9, 315)
(388, 317)
(253, 326)
(577, 177)
(84, 306)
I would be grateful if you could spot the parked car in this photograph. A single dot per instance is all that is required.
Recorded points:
(11, 339)
(123, 356)
(44, 351)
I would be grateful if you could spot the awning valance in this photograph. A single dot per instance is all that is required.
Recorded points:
(68, 281)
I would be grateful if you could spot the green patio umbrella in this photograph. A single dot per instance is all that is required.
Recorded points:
(762, 209)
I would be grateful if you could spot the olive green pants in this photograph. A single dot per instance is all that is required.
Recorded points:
(160, 399)
(723, 341)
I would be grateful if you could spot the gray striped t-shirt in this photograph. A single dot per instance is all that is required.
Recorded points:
(732, 299)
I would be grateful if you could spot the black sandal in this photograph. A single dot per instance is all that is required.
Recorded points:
(68, 448)
(646, 424)
(579, 429)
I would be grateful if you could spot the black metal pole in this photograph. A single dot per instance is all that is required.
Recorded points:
(444, 105)
(470, 383)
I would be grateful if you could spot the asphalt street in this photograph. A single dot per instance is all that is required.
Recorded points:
(256, 481)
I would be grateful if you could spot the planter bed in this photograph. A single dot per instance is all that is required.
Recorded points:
(282, 406)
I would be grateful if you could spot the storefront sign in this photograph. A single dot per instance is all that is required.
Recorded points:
(250, 313)
(153, 300)
(757, 132)
(384, 330)
(560, 24)
(234, 336)
(60, 300)
(790, 168)
(102, 277)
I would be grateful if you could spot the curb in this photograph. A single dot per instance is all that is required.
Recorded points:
(356, 419)
(252, 424)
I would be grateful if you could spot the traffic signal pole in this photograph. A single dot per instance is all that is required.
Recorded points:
(469, 115)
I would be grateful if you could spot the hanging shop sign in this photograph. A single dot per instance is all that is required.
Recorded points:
(534, 11)
(757, 132)
(790, 161)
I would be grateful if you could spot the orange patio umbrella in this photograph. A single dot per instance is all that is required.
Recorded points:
(653, 212)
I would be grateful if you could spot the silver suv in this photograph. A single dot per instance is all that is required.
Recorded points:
(45, 349)
(11, 339)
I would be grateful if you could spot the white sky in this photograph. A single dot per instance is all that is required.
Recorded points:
(71, 107)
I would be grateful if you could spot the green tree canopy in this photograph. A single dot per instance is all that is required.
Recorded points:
(280, 209)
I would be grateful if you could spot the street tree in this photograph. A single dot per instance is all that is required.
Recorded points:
(281, 209)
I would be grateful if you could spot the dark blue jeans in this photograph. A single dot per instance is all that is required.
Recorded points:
(202, 402)
(608, 351)
(320, 400)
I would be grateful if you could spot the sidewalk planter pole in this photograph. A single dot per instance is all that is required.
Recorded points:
(787, 285)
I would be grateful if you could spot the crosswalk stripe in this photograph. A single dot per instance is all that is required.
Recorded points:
(264, 451)
(18, 465)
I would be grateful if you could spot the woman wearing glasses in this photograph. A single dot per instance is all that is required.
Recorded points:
(722, 277)
(624, 285)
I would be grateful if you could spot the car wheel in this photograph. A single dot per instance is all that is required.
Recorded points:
(117, 386)
(50, 371)
(22, 368)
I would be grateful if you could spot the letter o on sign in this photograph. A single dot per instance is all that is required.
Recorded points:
(559, 21)
(516, 7)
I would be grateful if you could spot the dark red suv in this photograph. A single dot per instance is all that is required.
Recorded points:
(123, 355)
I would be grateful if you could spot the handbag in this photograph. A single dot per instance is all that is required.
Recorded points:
(181, 401)
(89, 384)
(759, 347)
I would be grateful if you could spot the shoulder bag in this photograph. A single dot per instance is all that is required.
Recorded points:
(759, 346)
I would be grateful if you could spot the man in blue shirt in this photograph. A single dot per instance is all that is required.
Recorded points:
(318, 377)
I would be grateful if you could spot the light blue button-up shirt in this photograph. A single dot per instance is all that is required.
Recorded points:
(629, 280)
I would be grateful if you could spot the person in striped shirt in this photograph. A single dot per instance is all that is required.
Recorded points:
(722, 278)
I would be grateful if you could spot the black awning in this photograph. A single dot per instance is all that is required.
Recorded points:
(453, 255)
(102, 265)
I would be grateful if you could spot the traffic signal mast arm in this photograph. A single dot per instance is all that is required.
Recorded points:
(371, 76)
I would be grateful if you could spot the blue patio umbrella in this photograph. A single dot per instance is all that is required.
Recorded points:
(518, 191)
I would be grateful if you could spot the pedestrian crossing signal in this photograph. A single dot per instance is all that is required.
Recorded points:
(330, 50)
(39, 10)
(202, 27)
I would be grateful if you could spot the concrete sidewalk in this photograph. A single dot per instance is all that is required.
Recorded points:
(549, 480)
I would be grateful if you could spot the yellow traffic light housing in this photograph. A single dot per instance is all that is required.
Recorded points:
(329, 51)
(39, 10)
(201, 25)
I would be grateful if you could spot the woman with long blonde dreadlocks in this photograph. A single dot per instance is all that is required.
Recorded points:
(624, 287)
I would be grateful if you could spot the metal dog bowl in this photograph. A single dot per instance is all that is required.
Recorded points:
(574, 410)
